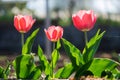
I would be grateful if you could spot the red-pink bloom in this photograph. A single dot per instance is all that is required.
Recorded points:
(84, 20)
(23, 23)
(54, 33)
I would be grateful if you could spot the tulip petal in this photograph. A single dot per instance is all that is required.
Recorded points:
(87, 20)
(16, 23)
(77, 22)
(47, 34)
(50, 30)
(59, 32)
(28, 20)
(54, 34)
(23, 24)
(81, 13)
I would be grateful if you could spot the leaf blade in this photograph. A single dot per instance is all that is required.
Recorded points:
(100, 64)
(24, 65)
(65, 71)
(45, 66)
(74, 53)
(92, 46)
(26, 49)
(55, 58)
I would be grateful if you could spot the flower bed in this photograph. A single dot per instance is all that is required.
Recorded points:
(82, 63)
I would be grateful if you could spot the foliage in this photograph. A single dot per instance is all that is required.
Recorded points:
(85, 62)
(26, 68)
(24, 64)
(107, 22)
(5, 72)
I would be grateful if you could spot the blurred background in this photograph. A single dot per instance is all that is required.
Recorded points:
(59, 12)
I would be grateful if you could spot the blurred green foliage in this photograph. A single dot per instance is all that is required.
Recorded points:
(7, 18)
(108, 22)
(6, 9)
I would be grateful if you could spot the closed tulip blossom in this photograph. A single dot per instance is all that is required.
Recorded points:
(84, 20)
(54, 33)
(23, 23)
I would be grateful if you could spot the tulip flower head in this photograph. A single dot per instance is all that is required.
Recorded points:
(54, 33)
(84, 20)
(23, 23)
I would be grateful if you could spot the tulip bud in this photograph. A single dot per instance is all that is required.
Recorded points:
(84, 20)
(23, 23)
(54, 33)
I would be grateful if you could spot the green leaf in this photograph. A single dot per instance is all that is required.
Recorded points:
(2, 74)
(35, 74)
(59, 72)
(24, 65)
(116, 73)
(5, 72)
(92, 46)
(82, 69)
(73, 53)
(45, 66)
(101, 64)
(65, 72)
(55, 57)
(26, 49)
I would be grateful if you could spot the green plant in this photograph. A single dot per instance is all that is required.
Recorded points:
(24, 64)
(84, 62)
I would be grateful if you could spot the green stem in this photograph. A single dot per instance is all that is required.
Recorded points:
(22, 39)
(86, 39)
(52, 60)
(54, 45)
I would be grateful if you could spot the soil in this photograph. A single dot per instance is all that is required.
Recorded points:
(88, 78)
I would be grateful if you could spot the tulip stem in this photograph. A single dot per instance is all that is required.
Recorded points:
(52, 60)
(54, 45)
(86, 39)
(22, 39)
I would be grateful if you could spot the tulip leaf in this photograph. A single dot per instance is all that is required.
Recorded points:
(99, 65)
(59, 72)
(65, 71)
(26, 49)
(116, 73)
(92, 46)
(45, 66)
(2, 74)
(35, 74)
(81, 71)
(55, 57)
(25, 66)
(5, 72)
(73, 53)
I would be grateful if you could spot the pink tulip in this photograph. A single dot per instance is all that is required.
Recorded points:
(23, 23)
(54, 33)
(84, 20)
